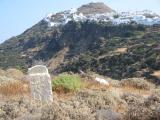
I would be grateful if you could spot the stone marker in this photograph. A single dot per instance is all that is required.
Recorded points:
(40, 83)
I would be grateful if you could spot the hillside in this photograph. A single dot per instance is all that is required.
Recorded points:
(93, 8)
(67, 41)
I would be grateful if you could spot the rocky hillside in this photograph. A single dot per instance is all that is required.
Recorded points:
(67, 41)
(93, 8)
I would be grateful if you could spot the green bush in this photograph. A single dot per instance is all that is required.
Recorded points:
(66, 83)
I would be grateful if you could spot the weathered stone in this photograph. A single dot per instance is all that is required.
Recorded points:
(40, 83)
(38, 69)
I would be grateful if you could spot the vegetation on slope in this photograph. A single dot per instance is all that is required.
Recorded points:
(117, 51)
(129, 100)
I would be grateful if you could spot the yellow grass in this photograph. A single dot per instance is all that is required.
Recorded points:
(34, 49)
(137, 91)
(14, 73)
(2, 72)
(63, 96)
(156, 73)
(121, 50)
(14, 89)
(95, 85)
(121, 108)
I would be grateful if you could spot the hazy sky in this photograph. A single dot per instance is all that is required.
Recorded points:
(18, 15)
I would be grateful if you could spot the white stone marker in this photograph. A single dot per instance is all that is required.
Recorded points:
(40, 83)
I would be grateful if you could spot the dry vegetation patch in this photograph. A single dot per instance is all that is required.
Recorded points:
(95, 85)
(2, 72)
(14, 73)
(137, 83)
(121, 50)
(101, 99)
(156, 73)
(5, 80)
(135, 91)
(14, 89)
(142, 108)
(78, 99)
(58, 59)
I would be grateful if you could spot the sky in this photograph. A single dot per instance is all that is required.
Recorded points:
(18, 15)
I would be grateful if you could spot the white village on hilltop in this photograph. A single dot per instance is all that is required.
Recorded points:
(145, 17)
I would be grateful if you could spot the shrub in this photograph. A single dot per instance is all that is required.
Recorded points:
(141, 112)
(147, 110)
(132, 99)
(102, 99)
(142, 108)
(66, 83)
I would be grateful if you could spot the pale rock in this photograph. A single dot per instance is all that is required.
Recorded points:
(40, 83)
(102, 81)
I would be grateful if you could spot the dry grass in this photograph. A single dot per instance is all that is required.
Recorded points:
(135, 91)
(34, 49)
(156, 73)
(132, 85)
(14, 73)
(58, 59)
(14, 89)
(95, 85)
(137, 86)
(137, 83)
(63, 96)
(2, 72)
(121, 50)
